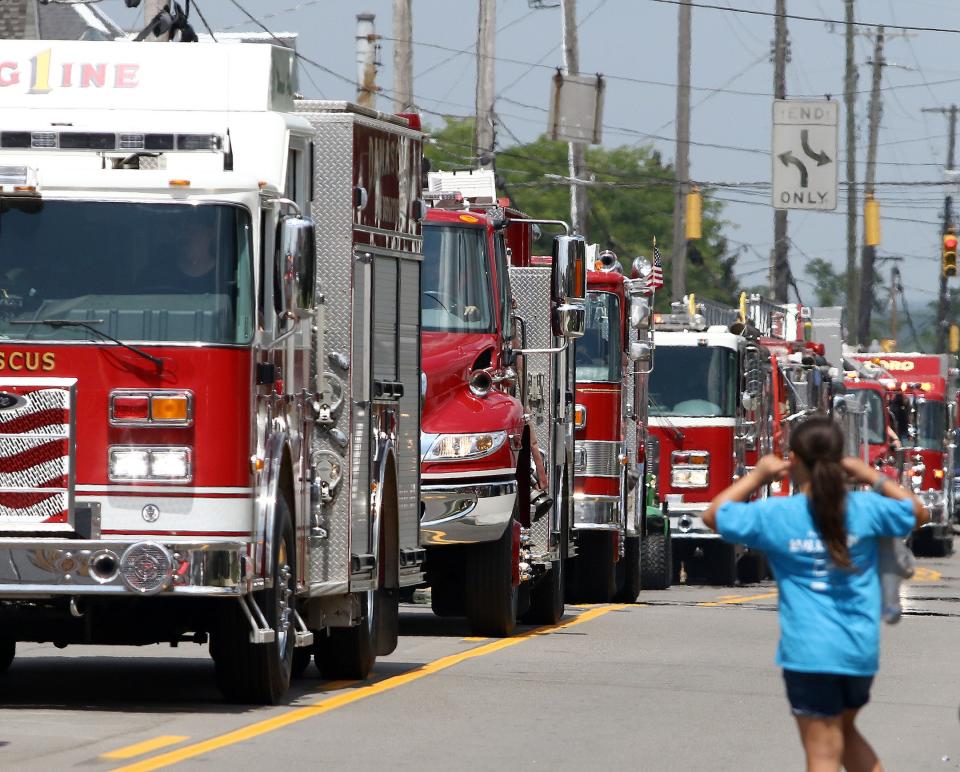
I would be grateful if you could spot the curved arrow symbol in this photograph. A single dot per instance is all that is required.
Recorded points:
(821, 158)
(789, 158)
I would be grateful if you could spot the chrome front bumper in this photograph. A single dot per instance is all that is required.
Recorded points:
(596, 513)
(466, 514)
(686, 523)
(47, 567)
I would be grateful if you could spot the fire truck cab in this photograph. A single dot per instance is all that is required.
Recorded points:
(713, 407)
(621, 545)
(209, 401)
(497, 441)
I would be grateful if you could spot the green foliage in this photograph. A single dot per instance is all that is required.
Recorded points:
(630, 202)
(831, 287)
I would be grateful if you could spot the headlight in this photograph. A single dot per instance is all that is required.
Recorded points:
(689, 477)
(135, 463)
(453, 447)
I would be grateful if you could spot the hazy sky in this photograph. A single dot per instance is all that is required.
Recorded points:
(635, 40)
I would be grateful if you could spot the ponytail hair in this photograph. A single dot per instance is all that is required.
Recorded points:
(818, 443)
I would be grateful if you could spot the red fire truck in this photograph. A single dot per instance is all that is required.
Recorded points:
(720, 399)
(209, 402)
(497, 441)
(923, 415)
(620, 546)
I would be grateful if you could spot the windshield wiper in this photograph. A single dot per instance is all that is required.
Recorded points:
(58, 323)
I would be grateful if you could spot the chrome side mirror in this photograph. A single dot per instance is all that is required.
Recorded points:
(296, 271)
(570, 320)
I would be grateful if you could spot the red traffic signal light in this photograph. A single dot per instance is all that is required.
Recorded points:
(949, 254)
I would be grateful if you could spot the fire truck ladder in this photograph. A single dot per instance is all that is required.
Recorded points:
(717, 313)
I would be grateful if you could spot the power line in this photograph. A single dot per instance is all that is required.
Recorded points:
(799, 17)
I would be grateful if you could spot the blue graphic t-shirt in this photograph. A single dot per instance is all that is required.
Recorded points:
(829, 617)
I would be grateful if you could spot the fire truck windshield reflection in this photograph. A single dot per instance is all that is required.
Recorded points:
(873, 402)
(457, 296)
(694, 381)
(598, 351)
(931, 424)
(141, 271)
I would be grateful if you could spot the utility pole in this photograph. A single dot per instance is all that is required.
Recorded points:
(681, 166)
(486, 38)
(870, 252)
(150, 9)
(850, 103)
(402, 57)
(576, 151)
(942, 324)
(780, 270)
(894, 283)
(367, 49)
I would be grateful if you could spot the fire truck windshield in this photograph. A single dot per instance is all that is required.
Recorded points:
(694, 381)
(457, 296)
(931, 424)
(873, 402)
(598, 351)
(145, 271)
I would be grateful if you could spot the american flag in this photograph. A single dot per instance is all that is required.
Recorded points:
(656, 276)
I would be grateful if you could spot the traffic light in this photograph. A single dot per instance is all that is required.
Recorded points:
(694, 214)
(949, 254)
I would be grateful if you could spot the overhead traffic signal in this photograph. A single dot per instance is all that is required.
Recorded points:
(949, 254)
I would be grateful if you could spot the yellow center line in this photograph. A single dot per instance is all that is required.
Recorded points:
(733, 601)
(138, 749)
(332, 703)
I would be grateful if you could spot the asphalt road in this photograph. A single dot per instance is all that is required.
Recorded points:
(684, 680)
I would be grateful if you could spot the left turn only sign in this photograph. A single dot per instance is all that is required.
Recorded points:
(805, 154)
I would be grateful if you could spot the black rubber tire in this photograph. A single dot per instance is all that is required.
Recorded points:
(348, 653)
(490, 599)
(656, 561)
(547, 597)
(595, 567)
(940, 548)
(8, 650)
(721, 561)
(752, 568)
(446, 598)
(259, 674)
(302, 658)
(629, 574)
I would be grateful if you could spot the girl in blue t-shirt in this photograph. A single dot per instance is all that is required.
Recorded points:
(822, 547)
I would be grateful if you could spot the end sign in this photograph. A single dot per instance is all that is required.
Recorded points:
(805, 154)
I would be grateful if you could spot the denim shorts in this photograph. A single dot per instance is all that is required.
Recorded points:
(825, 695)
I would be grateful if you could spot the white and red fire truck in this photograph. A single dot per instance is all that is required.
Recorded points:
(497, 441)
(612, 523)
(720, 399)
(209, 403)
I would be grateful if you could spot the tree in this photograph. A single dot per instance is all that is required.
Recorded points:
(830, 286)
(630, 200)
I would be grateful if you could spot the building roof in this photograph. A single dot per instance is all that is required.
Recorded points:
(28, 20)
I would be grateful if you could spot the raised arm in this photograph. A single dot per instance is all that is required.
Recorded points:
(768, 469)
(861, 472)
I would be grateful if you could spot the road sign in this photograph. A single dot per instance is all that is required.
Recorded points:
(805, 154)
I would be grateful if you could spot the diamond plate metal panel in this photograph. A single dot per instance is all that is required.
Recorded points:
(408, 440)
(332, 212)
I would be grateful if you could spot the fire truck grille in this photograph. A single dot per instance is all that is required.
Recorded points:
(35, 455)
(595, 458)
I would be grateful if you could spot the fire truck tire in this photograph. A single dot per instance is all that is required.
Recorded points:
(348, 652)
(656, 562)
(752, 568)
(595, 567)
(259, 674)
(8, 650)
(490, 598)
(628, 568)
(301, 661)
(446, 599)
(546, 597)
(721, 564)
